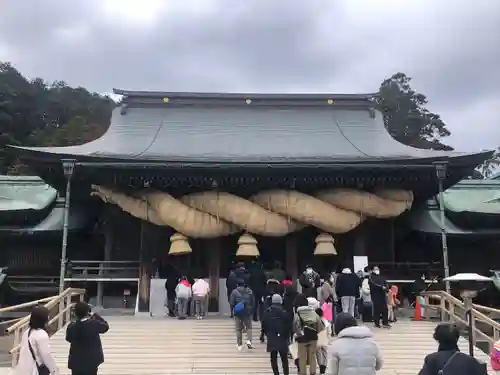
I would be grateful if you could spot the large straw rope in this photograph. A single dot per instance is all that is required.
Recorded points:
(271, 213)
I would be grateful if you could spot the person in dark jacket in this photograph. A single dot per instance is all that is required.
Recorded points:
(378, 293)
(230, 284)
(448, 359)
(257, 283)
(238, 274)
(347, 289)
(273, 286)
(289, 300)
(277, 272)
(310, 282)
(85, 351)
(417, 287)
(277, 327)
(170, 285)
(242, 296)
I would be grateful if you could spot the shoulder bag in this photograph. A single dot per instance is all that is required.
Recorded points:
(308, 333)
(441, 372)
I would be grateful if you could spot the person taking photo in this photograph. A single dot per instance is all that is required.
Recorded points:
(85, 351)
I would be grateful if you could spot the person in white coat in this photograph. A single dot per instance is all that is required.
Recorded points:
(354, 352)
(37, 338)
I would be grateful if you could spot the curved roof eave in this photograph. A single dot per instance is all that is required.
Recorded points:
(270, 129)
(58, 154)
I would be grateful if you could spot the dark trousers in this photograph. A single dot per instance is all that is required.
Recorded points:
(284, 361)
(380, 311)
(228, 300)
(85, 372)
(258, 307)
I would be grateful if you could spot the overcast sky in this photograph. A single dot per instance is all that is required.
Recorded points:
(451, 48)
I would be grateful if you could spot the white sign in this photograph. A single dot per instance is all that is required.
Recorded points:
(360, 262)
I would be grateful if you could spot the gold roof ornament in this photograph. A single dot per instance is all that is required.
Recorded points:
(179, 245)
(324, 245)
(247, 246)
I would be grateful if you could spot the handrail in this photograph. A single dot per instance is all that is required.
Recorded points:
(26, 304)
(59, 311)
(448, 306)
(490, 310)
(49, 305)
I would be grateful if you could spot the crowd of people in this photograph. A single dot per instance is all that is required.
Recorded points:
(295, 325)
(300, 325)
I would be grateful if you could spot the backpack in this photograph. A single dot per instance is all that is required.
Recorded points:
(277, 323)
(240, 309)
(308, 333)
(495, 356)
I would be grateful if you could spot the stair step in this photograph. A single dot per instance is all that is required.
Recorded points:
(168, 346)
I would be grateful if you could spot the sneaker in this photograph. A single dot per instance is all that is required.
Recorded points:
(377, 326)
(386, 326)
(249, 345)
(240, 348)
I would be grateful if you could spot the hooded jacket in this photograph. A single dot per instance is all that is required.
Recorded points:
(183, 289)
(354, 353)
(242, 294)
(307, 316)
(347, 284)
(276, 326)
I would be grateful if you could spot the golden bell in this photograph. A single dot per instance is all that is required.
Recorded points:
(324, 245)
(247, 246)
(179, 245)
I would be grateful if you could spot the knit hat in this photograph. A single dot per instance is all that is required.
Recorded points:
(313, 303)
(276, 298)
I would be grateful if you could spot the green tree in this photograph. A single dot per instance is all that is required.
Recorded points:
(405, 115)
(34, 113)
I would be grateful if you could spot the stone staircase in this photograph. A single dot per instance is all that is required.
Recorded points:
(169, 346)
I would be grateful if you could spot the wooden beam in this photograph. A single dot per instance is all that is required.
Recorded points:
(291, 256)
(214, 254)
(145, 271)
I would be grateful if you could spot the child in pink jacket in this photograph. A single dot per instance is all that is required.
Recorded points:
(200, 295)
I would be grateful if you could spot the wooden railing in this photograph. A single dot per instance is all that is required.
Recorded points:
(94, 270)
(451, 309)
(59, 315)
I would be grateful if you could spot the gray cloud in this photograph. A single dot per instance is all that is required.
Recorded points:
(450, 47)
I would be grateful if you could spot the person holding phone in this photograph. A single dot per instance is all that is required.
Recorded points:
(85, 351)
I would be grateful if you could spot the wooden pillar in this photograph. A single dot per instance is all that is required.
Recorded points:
(392, 245)
(291, 256)
(213, 250)
(108, 246)
(145, 270)
(360, 242)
